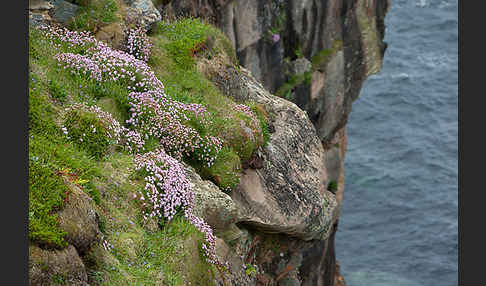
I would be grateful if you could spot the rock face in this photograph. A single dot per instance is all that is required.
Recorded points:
(342, 39)
(289, 194)
(337, 45)
(287, 216)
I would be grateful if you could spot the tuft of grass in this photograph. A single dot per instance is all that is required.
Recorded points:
(79, 124)
(262, 116)
(186, 37)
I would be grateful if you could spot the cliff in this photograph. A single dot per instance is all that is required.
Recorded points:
(271, 197)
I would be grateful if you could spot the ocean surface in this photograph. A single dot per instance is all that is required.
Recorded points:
(399, 216)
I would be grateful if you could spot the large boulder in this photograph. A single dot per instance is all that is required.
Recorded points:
(289, 194)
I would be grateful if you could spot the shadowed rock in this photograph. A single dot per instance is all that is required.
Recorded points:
(50, 267)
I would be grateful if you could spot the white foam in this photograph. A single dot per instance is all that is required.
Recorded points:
(421, 3)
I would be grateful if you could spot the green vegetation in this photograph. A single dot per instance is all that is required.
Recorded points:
(46, 195)
(80, 125)
(294, 81)
(250, 270)
(143, 251)
(332, 186)
(94, 13)
(322, 57)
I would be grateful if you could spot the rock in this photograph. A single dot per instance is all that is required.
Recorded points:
(40, 5)
(300, 66)
(142, 13)
(46, 267)
(63, 11)
(112, 34)
(210, 203)
(289, 194)
(78, 219)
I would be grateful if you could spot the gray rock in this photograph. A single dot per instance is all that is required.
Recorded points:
(40, 5)
(142, 12)
(300, 66)
(63, 11)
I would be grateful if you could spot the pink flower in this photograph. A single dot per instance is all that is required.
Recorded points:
(275, 38)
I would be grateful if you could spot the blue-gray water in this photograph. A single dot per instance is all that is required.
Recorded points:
(399, 217)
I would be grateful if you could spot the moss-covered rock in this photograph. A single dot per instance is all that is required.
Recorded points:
(78, 220)
(56, 267)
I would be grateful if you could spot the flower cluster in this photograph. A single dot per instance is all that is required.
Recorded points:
(104, 123)
(138, 44)
(167, 190)
(72, 40)
(254, 123)
(80, 65)
(153, 113)
(163, 119)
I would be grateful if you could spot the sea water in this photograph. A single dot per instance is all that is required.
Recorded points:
(399, 215)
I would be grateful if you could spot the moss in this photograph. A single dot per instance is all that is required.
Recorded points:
(323, 56)
(294, 81)
(332, 186)
(225, 171)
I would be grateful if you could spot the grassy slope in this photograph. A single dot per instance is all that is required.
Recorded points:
(143, 253)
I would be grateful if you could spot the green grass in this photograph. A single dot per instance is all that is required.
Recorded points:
(46, 195)
(144, 251)
(78, 123)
